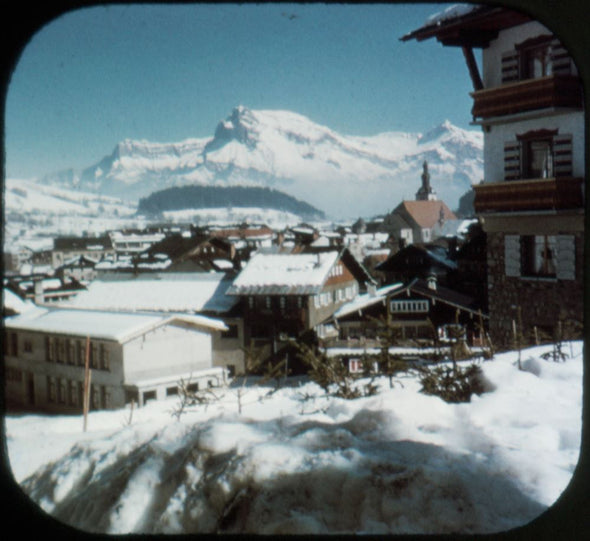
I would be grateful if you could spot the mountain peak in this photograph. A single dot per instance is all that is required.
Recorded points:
(446, 128)
(288, 151)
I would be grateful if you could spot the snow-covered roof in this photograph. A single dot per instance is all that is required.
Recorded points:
(117, 326)
(452, 12)
(159, 292)
(295, 274)
(361, 302)
(105, 325)
(13, 302)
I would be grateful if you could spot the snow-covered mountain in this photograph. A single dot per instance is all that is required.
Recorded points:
(346, 176)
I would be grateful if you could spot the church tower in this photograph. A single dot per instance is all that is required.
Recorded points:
(425, 193)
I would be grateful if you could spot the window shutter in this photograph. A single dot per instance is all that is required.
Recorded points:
(512, 160)
(566, 257)
(512, 255)
(561, 62)
(510, 67)
(562, 155)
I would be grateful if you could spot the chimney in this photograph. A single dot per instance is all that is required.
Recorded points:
(372, 289)
(431, 281)
(38, 297)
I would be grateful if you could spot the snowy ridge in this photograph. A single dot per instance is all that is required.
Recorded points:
(298, 461)
(343, 175)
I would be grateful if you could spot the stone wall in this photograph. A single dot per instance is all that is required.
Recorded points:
(542, 301)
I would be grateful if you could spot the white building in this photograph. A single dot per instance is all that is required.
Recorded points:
(528, 100)
(133, 357)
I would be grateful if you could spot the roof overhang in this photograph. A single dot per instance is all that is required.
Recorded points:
(475, 28)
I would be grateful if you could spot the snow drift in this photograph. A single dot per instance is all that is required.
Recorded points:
(298, 461)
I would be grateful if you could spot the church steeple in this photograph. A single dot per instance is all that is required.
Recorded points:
(425, 193)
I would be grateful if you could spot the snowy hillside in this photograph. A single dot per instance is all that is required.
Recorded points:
(297, 461)
(36, 212)
(343, 175)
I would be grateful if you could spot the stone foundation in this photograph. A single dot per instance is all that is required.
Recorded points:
(543, 301)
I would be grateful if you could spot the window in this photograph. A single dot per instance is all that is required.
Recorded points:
(95, 397)
(541, 56)
(81, 353)
(535, 59)
(61, 350)
(409, 306)
(537, 159)
(14, 374)
(62, 389)
(538, 255)
(538, 154)
(28, 345)
(94, 361)
(355, 366)
(104, 357)
(51, 389)
(73, 391)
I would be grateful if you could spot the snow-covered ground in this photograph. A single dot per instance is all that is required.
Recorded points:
(297, 461)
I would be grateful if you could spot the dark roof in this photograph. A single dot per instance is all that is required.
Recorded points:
(433, 255)
(82, 243)
(174, 245)
(474, 27)
(441, 294)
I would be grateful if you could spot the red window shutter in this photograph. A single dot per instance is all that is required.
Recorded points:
(562, 155)
(561, 61)
(512, 169)
(510, 67)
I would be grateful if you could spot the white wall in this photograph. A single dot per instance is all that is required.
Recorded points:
(493, 154)
(167, 350)
(507, 39)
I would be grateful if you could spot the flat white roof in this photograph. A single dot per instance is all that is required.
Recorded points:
(160, 293)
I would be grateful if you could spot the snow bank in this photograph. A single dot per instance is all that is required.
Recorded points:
(297, 461)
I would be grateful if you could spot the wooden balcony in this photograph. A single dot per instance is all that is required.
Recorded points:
(529, 95)
(530, 195)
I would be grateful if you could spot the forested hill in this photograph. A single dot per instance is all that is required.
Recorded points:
(202, 197)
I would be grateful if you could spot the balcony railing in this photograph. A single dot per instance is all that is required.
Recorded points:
(529, 95)
(534, 194)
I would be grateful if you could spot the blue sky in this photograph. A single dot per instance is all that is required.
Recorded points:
(165, 73)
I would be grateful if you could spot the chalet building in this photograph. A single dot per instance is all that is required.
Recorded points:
(81, 268)
(67, 248)
(42, 289)
(416, 221)
(132, 357)
(286, 295)
(189, 293)
(417, 309)
(418, 261)
(135, 242)
(528, 100)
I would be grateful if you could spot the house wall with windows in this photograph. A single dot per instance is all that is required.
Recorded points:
(536, 265)
(499, 139)
(46, 371)
(46, 368)
(508, 40)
